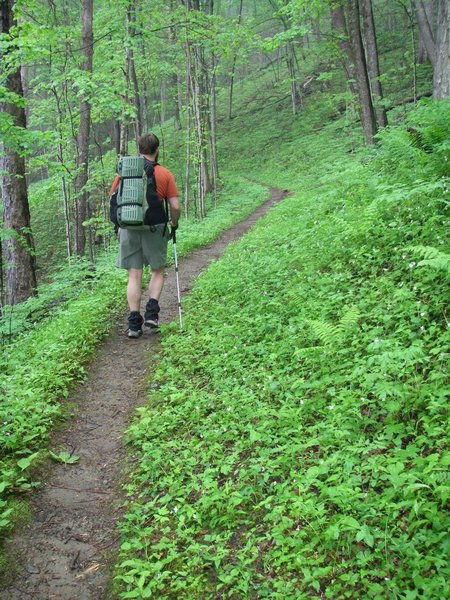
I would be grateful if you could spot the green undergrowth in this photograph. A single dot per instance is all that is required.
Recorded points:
(46, 207)
(47, 341)
(295, 444)
(37, 370)
(240, 197)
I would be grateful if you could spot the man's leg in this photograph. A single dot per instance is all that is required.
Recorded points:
(135, 319)
(155, 286)
(156, 283)
(134, 289)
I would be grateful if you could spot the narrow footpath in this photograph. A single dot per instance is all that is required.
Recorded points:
(66, 551)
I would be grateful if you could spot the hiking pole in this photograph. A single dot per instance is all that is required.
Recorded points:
(175, 258)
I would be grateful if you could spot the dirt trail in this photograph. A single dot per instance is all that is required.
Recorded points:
(64, 552)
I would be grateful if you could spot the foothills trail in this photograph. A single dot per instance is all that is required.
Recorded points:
(66, 550)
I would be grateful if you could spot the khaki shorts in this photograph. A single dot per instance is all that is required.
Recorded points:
(140, 248)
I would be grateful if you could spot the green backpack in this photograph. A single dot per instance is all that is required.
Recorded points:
(135, 204)
(131, 192)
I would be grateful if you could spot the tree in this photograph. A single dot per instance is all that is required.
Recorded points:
(201, 65)
(425, 27)
(373, 67)
(422, 53)
(84, 131)
(17, 242)
(340, 27)
(233, 67)
(280, 6)
(131, 67)
(436, 43)
(349, 22)
(441, 75)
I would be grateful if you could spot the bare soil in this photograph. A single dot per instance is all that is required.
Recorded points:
(66, 551)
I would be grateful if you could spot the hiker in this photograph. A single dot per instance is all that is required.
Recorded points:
(138, 248)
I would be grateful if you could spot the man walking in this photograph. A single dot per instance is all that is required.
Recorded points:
(138, 248)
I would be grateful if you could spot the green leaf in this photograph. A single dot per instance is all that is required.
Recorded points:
(365, 535)
(64, 457)
(25, 462)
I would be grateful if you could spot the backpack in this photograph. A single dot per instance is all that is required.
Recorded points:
(135, 203)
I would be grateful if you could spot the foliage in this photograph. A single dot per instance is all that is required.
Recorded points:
(240, 198)
(47, 340)
(295, 443)
(64, 457)
(432, 258)
(39, 366)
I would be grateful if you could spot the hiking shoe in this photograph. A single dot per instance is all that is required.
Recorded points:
(151, 314)
(135, 321)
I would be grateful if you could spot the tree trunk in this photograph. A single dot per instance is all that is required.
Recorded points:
(82, 212)
(423, 54)
(123, 137)
(202, 85)
(116, 135)
(441, 76)
(201, 167)
(373, 66)
(143, 95)
(17, 246)
(176, 78)
(131, 68)
(178, 98)
(426, 31)
(60, 155)
(187, 176)
(291, 59)
(162, 102)
(196, 103)
(340, 27)
(367, 112)
(291, 65)
(197, 76)
(233, 69)
(213, 129)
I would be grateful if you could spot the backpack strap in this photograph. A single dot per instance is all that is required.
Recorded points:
(151, 163)
(167, 216)
(149, 167)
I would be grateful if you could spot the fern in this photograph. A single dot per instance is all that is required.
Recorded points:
(392, 361)
(346, 228)
(431, 257)
(362, 225)
(327, 333)
(334, 335)
(349, 320)
(368, 218)
(422, 149)
(418, 140)
(307, 352)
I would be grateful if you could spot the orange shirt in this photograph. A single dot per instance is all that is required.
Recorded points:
(165, 183)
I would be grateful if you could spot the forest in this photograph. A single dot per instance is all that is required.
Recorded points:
(293, 438)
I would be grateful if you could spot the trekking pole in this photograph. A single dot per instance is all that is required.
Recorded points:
(175, 258)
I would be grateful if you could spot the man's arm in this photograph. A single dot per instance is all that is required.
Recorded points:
(175, 210)
(115, 183)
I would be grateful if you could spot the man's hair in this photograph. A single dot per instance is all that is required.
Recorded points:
(148, 143)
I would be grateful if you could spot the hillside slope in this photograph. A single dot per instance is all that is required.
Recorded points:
(296, 445)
